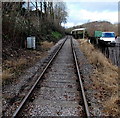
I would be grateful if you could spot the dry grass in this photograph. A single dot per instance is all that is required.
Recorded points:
(111, 106)
(46, 45)
(16, 63)
(105, 78)
(13, 68)
(6, 74)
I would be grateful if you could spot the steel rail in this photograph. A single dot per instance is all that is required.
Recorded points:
(33, 87)
(80, 80)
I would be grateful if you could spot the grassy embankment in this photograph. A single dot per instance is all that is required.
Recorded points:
(105, 79)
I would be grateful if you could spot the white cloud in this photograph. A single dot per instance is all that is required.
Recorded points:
(80, 13)
(79, 23)
(69, 24)
(98, 16)
(70, 0)
(65, 0)
(89, 0)
(83, 15)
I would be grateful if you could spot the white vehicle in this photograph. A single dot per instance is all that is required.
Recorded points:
(108, 38)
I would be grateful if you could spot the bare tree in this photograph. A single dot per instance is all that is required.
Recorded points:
(60, 12)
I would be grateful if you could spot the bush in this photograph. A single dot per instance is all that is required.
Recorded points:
(56, 35)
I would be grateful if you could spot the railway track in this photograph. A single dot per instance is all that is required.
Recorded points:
(58, 91)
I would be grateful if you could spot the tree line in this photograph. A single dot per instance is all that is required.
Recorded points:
(40, 18)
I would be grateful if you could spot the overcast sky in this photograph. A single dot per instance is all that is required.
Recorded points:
(87, 11)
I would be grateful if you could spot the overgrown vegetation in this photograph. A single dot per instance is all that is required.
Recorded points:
(105, 79)
(40, 19)
(14, 67)
(22, 19)
(45, 45)
(56, 35)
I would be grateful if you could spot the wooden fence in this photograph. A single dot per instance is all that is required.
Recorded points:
(113, 53)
